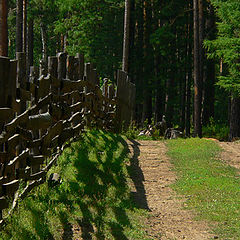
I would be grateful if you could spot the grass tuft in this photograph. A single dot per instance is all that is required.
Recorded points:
(212, 187)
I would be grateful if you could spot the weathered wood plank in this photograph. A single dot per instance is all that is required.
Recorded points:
(21, 74)
(21, 120)
(12, 82)
(42, 103)
(44, 86)
(35, 160)
(62, 65)
(53, 66)
(37, 176)
(3, 203)
(80, 59)
(13, 142)
(6, 114)
(53, 132)
(3, 157)
(71, 67)
(23, 94)
(10, 188)
(4, 75)
(21, 160)
(40, 121)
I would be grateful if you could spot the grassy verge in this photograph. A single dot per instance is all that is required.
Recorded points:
(212, 187)
(94, 196)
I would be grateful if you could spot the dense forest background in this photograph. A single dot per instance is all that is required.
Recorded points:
(183, 55)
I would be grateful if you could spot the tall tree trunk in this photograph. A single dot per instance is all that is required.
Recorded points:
(19, 26)
(125, 61)
(139, 60)
(3, 28)
(210, 74)
(44, 44)
(159, 94)
(235, 119)
(132, 46)
(30, 43)
(149, 63)
(25, 26)
(183, 99)
(197, 70)
(172, 75)
(188, 103)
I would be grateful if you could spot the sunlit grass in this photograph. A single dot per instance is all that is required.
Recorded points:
(211, 186)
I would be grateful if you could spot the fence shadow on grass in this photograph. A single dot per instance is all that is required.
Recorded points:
(103, 185)
(94, 196)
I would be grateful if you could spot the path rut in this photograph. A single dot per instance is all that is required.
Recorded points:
(151, 180)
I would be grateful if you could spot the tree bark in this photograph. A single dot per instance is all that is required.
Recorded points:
(125, 61)
(30, 43)
(25, 26)
(210, 74)
(132, 47)
(197, 70)
(148, 68)
(234, 119)
(3, 28)
(44, 45)
(19, 26)
(139, 61)
(159, 94)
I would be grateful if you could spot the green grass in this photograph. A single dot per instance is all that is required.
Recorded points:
(94, 196)
(212, 187)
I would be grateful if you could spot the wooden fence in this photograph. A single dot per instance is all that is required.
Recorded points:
(41, 114)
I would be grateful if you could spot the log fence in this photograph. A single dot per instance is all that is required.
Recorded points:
(41, 114)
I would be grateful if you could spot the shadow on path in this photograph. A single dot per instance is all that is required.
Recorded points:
(137, 177)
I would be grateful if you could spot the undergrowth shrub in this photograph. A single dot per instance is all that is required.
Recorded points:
(216, 130)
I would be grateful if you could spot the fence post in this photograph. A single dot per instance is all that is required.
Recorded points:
(105, 93)
(53, 71)
(70, 67)
(122, 101)
(4, 75)
(62, 65)
(21, 75)
(80, 63)
(132, 101)
(53, 66)
(12, 83)
(111, 92)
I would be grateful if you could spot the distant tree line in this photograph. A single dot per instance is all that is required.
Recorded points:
(183, 56)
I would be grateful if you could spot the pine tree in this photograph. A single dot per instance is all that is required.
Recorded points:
(226, 48)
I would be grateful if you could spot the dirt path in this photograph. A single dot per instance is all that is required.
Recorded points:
(231, 153)
(151, 178)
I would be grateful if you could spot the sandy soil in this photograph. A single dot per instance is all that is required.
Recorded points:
(151, 188)
(231, 153)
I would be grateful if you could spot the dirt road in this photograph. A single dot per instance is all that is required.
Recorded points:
(151, 188)
(231, 153)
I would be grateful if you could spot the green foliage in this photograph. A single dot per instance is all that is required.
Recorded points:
(94, 28)
(94, 196)
(227, 44)
(133, 132)
(216, 130)
(212, 186)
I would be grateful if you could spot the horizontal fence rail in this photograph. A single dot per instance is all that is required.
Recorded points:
(43, 112)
